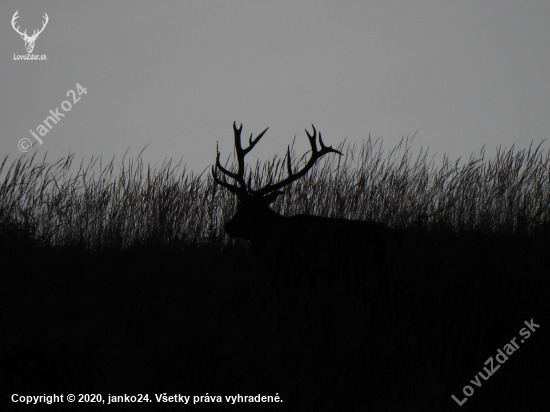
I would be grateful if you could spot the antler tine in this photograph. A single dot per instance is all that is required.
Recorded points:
(232, 188)
(312, 140)
(239, 177)
(241, 153)
(13, 23)
(315, 155)
(223, 169)
(252, 142)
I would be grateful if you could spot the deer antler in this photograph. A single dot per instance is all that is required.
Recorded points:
(241, 153)
(315, 155)
(242, 190)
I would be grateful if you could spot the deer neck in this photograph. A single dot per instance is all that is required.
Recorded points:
(263, 233)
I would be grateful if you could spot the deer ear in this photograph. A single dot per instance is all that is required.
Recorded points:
(270, 198)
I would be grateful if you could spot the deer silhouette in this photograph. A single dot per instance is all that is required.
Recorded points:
(306, 248)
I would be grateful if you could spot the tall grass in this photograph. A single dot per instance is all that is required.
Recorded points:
(105, 205)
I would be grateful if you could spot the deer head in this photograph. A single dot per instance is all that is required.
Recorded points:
(29, 40)
(253, 209)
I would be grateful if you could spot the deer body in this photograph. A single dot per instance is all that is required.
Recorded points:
(305, 248)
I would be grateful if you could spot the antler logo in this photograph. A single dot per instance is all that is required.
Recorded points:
(29, 40)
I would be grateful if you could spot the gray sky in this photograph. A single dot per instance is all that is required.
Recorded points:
(177, 74)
